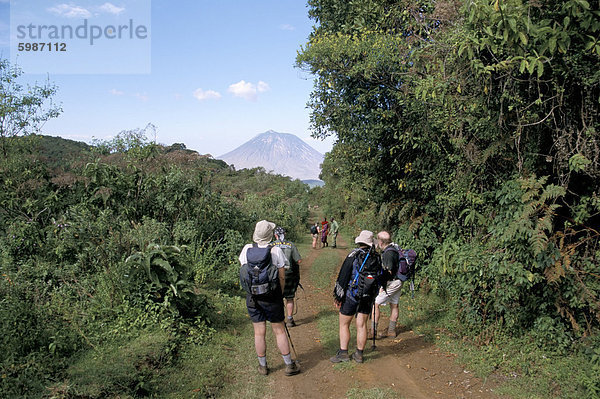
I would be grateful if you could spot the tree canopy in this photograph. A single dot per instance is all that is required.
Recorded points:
(472, 129)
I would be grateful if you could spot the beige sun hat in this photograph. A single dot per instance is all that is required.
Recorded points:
(365, 237)
(263, 232)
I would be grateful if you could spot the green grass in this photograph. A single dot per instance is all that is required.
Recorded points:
(325, 269)
(372, 393)
(225, 366)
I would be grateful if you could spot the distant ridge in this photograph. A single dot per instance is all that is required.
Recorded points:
(281, 153)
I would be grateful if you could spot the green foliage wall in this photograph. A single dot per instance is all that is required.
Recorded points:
(120, 254)
(471, 129)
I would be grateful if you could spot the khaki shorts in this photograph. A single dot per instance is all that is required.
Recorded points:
(392, 295)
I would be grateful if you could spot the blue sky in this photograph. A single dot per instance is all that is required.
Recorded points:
(211, 74)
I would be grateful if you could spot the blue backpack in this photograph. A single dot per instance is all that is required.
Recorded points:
(366, 274)
(259, 276)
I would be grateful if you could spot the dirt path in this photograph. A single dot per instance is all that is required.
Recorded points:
(407, 364)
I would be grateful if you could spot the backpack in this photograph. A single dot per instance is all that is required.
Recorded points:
(292, 273)
(259, 276)
(406, 261)
(313, 229)
(366, 274)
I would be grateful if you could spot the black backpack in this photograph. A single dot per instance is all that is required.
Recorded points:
(313, 229)
(366, 274)
(259, 276)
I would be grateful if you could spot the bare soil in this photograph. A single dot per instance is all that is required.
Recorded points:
(407, 364)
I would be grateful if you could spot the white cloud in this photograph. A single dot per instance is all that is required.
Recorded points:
(116, 92)
(287, 27)
(111, 8)
(70, 11)
(247, 90)
(202, 95)
(143, 97)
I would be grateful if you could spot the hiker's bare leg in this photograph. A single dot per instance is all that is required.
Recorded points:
(377, 313)
(344, 322)
(289, 305)
(260, 343)
(361, 330)
(281, 337)
(393, 312)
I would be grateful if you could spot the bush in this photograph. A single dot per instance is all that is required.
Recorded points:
(115, 369)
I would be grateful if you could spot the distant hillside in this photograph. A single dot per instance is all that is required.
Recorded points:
(56, 151)
(314, 183)
(281, 153)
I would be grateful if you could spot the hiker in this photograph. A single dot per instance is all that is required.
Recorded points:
(314, 231)
(292, 272)
(266, 301)
(324, 232)
(334, 231)
(390, 259)
(354, 293)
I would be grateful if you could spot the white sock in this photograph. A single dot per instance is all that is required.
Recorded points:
(287, 358)
(262, 360)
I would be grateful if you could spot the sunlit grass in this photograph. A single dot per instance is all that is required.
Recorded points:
(372, 393)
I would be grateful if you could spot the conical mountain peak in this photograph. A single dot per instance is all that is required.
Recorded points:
(281, 153)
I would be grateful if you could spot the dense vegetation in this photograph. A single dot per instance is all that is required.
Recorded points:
(469, 129)
(113, 257)
(472, 130)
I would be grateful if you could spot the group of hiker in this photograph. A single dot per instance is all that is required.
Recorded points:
(371, 276)
(324, 230)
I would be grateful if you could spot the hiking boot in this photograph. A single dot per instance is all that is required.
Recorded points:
(357, 357)
(391, 334)
(340, 357)
(292, 369)
(290, 323)
(263, 370)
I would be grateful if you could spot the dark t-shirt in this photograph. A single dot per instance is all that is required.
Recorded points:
(391, 260)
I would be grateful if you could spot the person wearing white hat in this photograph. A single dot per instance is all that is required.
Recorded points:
(269, 306)
(353, 303)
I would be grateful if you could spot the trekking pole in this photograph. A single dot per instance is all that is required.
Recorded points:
(373, 347)
(290, 340)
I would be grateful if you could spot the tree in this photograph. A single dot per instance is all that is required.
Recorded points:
(461, 120)
(22, 110)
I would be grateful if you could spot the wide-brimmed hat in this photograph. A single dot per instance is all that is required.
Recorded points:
(365, 237)
(263, 232)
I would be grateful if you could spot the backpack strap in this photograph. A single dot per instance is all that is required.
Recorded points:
(361, 267)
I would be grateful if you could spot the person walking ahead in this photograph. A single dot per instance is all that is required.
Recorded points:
(334, 231)
(292, 272)
(314, 231)
(390, 260)
(354, 293)
(324, 232)
(264, 300)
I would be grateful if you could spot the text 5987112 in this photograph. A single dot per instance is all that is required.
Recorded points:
(49, 46)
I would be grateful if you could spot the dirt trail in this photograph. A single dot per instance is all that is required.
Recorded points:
(407, 364)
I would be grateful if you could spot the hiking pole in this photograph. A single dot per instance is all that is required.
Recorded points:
(290, 340)
(373, 347)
